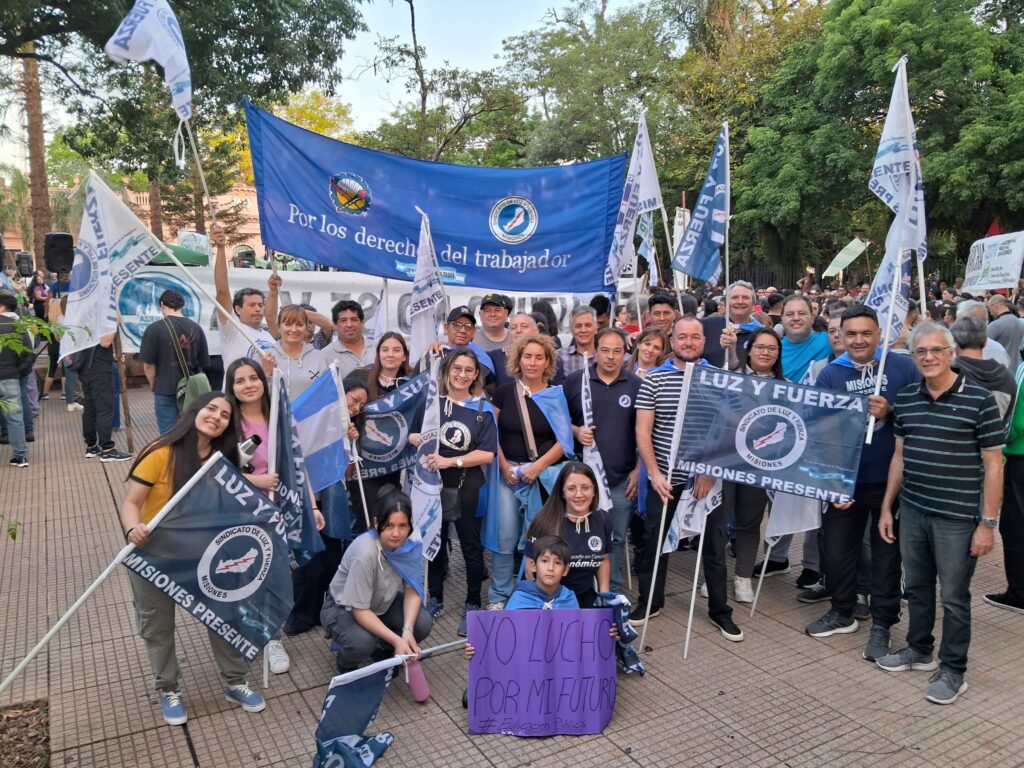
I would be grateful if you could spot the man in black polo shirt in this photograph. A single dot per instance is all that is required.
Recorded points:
(613, 393)
(949, 437)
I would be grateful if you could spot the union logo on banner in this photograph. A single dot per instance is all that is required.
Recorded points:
(350, 194)
(771, 437)
(513, 220)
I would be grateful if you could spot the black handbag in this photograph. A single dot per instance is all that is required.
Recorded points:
(450, 497)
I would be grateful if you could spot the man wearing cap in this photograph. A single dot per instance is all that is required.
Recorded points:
(460, 328)
(494, 312)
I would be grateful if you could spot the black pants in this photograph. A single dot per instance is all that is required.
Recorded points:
(98, 416)
(712, 557)
(467, 525)
(310, 582)
(1011, 528)
(843, 532)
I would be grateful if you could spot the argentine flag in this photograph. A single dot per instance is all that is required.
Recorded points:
(321, 419)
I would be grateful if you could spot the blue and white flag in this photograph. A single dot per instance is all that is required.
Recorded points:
(378, 325)
(425, 483)
(221, 556)
(690, 514)
(151, 31)
(896, 173)
(384, 446)
(501, 229)
(352, 702)
(591, 454)
(771, 434)
(112, 245)
(640, 194)
(427, 293)
(890, 295)
(321, 420)
(647, 251)
(292, 492)
(698, 253)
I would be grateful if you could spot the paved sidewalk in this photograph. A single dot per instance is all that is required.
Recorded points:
(778, 698)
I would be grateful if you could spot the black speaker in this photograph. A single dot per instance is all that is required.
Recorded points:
(246, 259)
(59, 252)
(25, 263)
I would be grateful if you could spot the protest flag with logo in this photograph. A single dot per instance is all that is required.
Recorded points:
(384, 446)
(112, 245)
(896, 179)
(352, 702)
(151, 31)
(427, 293)
(425, 483)
(698, 253)
(690, 514)
(640, 194)
(772, 434)
(292, 492)
(220, 554)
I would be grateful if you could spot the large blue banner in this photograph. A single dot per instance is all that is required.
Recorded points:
(773, 434)
(220, 554)
(384, 440)
(498, 228)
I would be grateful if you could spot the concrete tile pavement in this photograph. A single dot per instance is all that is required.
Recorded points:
(778, 698)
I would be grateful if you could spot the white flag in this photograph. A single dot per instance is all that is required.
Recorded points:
(379, 322)
(897, 167)
(425, 491)
(112, 245)
(690, 515)
(890, 296)
(426, 294)
(151, 31)
(641, 193)
(792, 514)
(647, 251)
(591, 454)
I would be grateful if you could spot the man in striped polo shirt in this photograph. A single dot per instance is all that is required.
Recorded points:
(657, 403)
(949, 440)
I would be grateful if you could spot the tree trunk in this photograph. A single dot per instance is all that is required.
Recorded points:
(197, 200)
(39, 187)
(156, 212)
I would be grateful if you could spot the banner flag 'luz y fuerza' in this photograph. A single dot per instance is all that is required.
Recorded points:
(699, 251)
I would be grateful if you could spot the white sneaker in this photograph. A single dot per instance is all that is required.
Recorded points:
(703, 591)
(75, 407)
(743, 590)
(279, 661)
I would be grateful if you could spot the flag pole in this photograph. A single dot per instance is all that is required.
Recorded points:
(896, 279)
(693, 590)
(119, 359)
(272, 437)
(126, 550)
(672, 251)
(760, 579)
(728, 213)
(336, 373)
(677, 429)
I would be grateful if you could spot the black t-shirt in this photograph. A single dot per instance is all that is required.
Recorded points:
(158, 349)
(510, 429)
(587, 549)
(462, 433)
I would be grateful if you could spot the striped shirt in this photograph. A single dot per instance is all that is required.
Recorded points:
(661, 392)
(942, 442)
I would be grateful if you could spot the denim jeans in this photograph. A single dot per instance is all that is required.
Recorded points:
(938, 547)
(166, 409)
(619, 517)
(13, 410)
(27, 420)
(511, 527)
(70, 377)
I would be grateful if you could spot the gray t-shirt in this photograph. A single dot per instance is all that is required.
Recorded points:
(487, 345)
(365, 579)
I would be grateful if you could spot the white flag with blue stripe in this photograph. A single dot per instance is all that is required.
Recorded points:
(321, 419)
(591, 454)
(427, 293)
(640, 194)
(151, 31)
(379, 322)
(425, 490)
(690, 514)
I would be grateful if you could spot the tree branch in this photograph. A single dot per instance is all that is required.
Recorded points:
(71, 79)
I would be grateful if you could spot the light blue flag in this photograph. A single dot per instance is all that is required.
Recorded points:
(698, 253)
(321, 417)
(552, 404)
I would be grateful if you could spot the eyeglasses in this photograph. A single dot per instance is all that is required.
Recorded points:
(763, 348)
(923, 352)
(461, 326)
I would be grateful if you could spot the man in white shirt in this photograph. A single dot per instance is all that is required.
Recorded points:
(247, 304)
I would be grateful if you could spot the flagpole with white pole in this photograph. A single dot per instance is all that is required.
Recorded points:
(896, 280)
(272, 438)
(125, 551)
(677, 428)
(354, 447)
(728, 213)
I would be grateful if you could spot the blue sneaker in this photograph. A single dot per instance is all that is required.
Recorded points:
(434, 607)
(246, 697)
(173, 707)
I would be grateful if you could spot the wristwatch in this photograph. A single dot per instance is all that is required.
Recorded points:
(989, 522)
(458, 463)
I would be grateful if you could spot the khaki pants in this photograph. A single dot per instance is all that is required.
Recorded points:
(154, 615)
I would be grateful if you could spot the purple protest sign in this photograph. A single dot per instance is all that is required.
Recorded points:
(541, 673)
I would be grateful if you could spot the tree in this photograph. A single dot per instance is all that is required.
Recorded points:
(40, 193)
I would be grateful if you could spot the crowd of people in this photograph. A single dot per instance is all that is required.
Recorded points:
(944, 468)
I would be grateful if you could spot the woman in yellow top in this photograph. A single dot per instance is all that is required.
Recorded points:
(162, 468)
